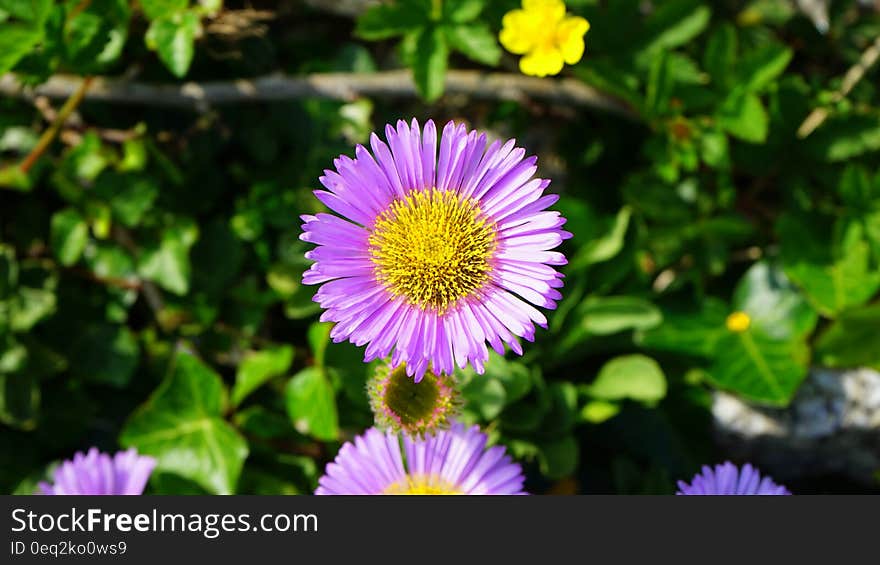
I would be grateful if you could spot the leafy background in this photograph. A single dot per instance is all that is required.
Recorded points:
(150, 269)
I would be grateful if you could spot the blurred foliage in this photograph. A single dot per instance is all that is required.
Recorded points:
(150, 271)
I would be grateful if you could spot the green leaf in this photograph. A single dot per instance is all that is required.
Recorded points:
(692, 331)
(104, 353)
(16, 41)
(35, 11)
(182, 426)
(69, 235)
(743, 115)
(598, 411)
(476, 42)
(95, 36)
(514, 377)
(19, 400)
(460, 11)
(612, 314)
(661, 81)
(559, 458)
(168, 263)
(831, 288)
(759, 68)
(311, 404)
(155, 9)
(842, 138)
(853, 340)
(485, 397)
(130, 196)
(760, 368)
(720, 54)
(429, 63)
(606, 246)
(636, 377)
(676, 22)
(173, 38)
(773, 303)
(318, 336)
(13, 355)
(257, 367)
(384, 21)
(8, 271)
(561, 414)
(856, 189)
(30, 306)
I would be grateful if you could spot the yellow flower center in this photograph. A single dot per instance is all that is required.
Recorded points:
(422, 484)
(738, 322)
(433, 248)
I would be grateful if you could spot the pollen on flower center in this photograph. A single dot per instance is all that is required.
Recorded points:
(422, 484)
(433, 248)
(415, 407)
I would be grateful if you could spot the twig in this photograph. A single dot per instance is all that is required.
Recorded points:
(48, 136)
(338, 86)
(852, 77)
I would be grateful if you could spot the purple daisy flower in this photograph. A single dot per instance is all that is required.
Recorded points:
(727, 479)
(435, 253)
(99, 473)
(452, 461)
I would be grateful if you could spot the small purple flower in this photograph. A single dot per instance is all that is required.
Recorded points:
(452, 461)
(727, 479)
(99, 473)
(442, 244)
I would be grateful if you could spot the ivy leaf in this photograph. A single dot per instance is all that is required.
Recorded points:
(173, 38)
(168, 263)
(760, 368)
(257, 367)
(19, 400)
(95, 36)
(182, 426)
(429, 63)
(476, 42)
(30, 306)
(69, 235)
(311, 404)
(104, 353)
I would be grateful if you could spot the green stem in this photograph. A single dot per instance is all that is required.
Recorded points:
(49, 135)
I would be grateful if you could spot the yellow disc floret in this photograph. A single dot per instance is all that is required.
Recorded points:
(422, 484)
(545, 35)
(432, 248)
(738, 322)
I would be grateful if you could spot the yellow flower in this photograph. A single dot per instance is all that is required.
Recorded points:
(738, 322)
(545, 35)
